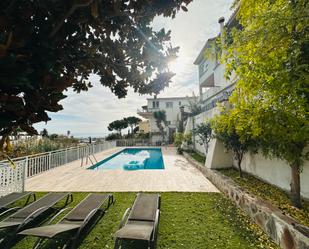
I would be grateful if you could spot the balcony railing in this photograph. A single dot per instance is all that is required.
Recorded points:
(148, 110)
(211, 92)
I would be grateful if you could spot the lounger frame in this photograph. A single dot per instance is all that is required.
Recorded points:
(6, 242)
(6, 209)
(152, 243)
(73, 240)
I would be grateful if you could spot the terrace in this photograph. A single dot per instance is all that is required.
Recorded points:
(194, 213)
(178, 175)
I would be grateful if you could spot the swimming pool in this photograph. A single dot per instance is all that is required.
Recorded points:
(132, 159)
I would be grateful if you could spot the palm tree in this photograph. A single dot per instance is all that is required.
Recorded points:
(160, 117)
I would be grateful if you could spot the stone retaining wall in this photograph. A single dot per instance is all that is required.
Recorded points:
(284, 230)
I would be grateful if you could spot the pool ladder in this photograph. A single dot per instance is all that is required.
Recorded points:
(86, 159)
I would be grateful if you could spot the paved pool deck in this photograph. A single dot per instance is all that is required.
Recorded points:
(179, 175)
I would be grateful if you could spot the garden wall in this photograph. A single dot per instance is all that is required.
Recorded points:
(276, 172)
(285, 231)
(273, 171)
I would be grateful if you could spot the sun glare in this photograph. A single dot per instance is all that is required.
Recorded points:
(176, 66)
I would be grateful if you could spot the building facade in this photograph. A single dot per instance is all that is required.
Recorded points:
(144, 127)
(172, 107)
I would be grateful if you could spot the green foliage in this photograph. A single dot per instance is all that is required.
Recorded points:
(268, 57)
(178, 139)
(268, 192)
(194, 106)
(132, 122)
(49, 46)
(33, 146)
(160, 117)
(203, 131)
(224, 127)
(188, 220)
(44, 133)
(124, 123)
(113, 136)
(118, 125)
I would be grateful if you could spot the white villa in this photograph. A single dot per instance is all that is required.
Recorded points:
(172, 107)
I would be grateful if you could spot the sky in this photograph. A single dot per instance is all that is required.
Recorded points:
(89, 113)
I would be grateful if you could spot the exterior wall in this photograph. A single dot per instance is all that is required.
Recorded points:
(171, 113)
(210, 69)
(152, 125)
(144, 126)
(274, 171)
(198, 119)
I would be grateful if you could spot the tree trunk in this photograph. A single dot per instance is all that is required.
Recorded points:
(295, 185)
(239, 168)
(206, 148)
(238, 154)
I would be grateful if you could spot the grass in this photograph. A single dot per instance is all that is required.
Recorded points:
(198, 157)
(188, 220)
(270, 193)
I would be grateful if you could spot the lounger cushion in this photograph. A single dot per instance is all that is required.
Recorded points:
(8, 224)
(135, 231)
(50, 231)
(145, 207)
(80, 212)
(47, 201)
(11, 198)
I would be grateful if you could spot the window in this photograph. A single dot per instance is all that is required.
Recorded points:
(203, 67)
(155, 104)
(169, 104)
(168, 122)
(179, 103)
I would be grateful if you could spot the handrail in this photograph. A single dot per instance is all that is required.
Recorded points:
(52, 152)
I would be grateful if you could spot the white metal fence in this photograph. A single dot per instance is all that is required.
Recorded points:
(132, 142)
(12, 179)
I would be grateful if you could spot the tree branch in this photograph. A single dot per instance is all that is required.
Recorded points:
(67, 15)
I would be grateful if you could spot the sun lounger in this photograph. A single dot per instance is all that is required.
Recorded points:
(70, 227)
(141, 221)
(27, 216)
(9, 199)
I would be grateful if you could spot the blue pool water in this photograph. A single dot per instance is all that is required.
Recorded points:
(132, 159)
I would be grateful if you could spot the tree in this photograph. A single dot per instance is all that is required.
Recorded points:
(132, 122)
(180, 139)
(49, 46)
(224, 129)
(113, 136)
(44, 133)
(160, 117)
(269, 57)
(118, 125)
(195, 107)
(203, 131)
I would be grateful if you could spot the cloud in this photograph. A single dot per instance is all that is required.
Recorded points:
(89, 113)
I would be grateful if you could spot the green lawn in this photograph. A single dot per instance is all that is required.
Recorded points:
(188, 220)
(271, 193)
(198, 157)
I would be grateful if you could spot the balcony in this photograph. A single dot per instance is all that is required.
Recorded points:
(210, 92)
(146, 112)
